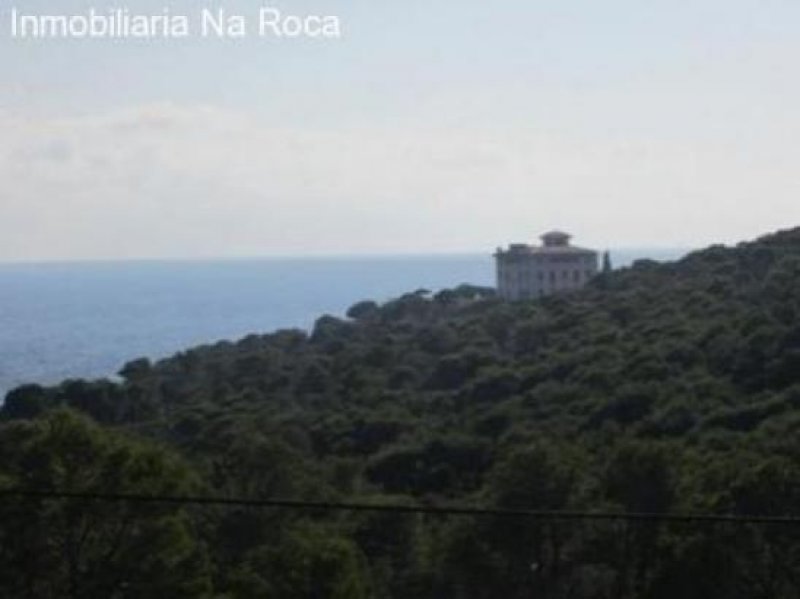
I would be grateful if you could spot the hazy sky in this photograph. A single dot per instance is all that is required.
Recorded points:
(436, 125)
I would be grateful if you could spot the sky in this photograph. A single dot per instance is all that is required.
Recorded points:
(431, 126)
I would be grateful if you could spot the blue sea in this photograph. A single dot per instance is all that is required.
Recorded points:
(87, 319)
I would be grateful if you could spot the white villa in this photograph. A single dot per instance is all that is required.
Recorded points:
(531, 271)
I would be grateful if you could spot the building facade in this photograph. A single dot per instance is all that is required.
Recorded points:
(531, 271)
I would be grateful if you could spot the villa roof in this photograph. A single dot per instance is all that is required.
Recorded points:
(555, 242)
(555, 233)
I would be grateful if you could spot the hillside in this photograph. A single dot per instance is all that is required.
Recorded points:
(659, 388)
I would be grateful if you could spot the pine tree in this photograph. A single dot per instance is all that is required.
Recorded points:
(607, 262)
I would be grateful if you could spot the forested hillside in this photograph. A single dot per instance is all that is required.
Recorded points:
(661, 388)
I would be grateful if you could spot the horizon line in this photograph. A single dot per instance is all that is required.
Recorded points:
(312, 256)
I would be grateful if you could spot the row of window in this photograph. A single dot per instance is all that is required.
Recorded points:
(526, 276)
(539, 260)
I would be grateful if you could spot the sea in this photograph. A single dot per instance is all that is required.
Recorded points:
(87, 319)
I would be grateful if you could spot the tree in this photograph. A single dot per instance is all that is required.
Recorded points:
(607, 262)
(362, 310)
(640, 478)
(26, 401)
(71, 548)
(308, 563)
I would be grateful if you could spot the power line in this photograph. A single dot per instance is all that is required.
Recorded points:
(404, 509)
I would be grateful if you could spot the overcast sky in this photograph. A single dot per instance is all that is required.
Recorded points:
(432, 126)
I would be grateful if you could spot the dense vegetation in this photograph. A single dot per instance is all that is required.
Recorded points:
(660, 388)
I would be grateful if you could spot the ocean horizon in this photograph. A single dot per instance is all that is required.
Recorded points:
(86, 319)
